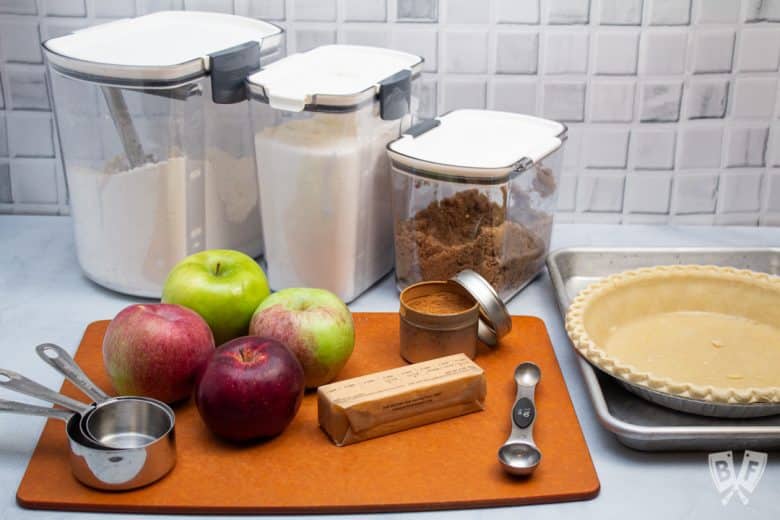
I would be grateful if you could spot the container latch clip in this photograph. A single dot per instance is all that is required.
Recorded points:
(229, 70)
(395, 94)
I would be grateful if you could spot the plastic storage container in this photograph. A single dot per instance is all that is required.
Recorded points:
(156, 140)
(475, 189)
(322, 120)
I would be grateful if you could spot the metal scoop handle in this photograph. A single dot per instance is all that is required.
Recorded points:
(56, 357)
(31, 409)
(523, 414)
(19, 383)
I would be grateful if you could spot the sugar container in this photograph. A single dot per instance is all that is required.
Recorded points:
(322, 120)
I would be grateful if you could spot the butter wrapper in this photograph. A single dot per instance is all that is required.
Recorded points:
(386, 402)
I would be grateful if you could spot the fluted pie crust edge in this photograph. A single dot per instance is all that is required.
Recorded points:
(588, 348)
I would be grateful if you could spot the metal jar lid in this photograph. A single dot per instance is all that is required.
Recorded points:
(494, 322)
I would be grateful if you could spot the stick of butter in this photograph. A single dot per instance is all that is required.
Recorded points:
(394, 400)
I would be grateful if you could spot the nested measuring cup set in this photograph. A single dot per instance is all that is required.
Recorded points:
(115, 443)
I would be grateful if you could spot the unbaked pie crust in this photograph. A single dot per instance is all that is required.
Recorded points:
(700, 332)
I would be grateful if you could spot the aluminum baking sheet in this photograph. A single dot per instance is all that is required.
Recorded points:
(636, 422)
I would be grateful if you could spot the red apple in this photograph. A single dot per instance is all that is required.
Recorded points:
(251, 388)
(156, 350)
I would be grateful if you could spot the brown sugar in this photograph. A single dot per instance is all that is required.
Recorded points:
(443, 302)
(469, 231)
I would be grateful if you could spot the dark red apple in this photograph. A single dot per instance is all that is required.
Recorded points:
(251, 388)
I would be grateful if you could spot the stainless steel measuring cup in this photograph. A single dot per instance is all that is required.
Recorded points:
(115, 422)
(94, 465)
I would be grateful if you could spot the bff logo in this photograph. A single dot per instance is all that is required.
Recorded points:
(728, 482)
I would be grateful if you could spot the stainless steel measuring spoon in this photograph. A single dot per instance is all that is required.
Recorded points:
(519, 455)
(18, 383)
(93, 464)
(58, 358)
(115, 422)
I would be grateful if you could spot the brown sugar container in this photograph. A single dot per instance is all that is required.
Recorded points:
(441, 318)
(475, 189)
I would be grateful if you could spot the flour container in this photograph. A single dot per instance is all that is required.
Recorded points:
(475, 189)
(155, 133)
(322, 120)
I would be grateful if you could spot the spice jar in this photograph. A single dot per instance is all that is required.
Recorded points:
(475, 189)
(441, 318)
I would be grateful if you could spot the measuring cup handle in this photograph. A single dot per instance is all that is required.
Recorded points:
(56, 357)
(19, 383)
(31, 409)
(523, 414)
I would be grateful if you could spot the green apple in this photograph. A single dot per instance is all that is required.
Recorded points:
(313, 323)
(223, 286)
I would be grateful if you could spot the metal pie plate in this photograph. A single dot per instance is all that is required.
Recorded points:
(656, 420)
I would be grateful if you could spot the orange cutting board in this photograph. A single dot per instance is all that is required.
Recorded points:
(447, 465)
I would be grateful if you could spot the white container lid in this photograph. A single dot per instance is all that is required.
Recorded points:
(482, 145)
(331, 75)
(160, 49)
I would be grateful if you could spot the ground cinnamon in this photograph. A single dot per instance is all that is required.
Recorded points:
(440, 303)
(470, 231)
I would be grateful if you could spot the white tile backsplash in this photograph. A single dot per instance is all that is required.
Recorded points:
(648, 192)
(773, 192)
(746, 146)
(512, 11)
(365, 10)
(418, 40)
(700, 147)
(717, 11)
(653, 149)
(600, 192)
(30, 134)
(465, 11)
(615, 52)
(773, 149)
(514, 95)
(314, 10)
(20, 41)
(466, 51)
(33, 181)
(566, 52)
(517, 52)
(669, 12)
(606, 147)
(713, 50)
(759, 50)
(707, 98)
(620, 12)
(762, 11)
(612, 101)
(464, 93)
(740, 192)
(663, 51)
(671, 104)
(566, 12)
(660, 101)
(27, 89)
(695, 193)
(64, 8)
(755, 97)
(564, 100)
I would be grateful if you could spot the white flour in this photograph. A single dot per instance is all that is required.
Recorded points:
(131, 227)
(326, 201)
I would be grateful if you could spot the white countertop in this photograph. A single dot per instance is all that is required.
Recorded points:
(45, 298)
